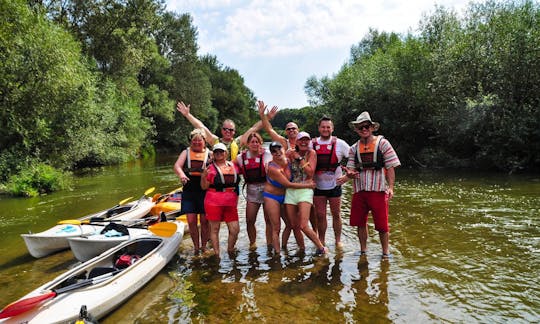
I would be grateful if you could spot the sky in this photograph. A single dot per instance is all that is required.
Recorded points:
(276, 45)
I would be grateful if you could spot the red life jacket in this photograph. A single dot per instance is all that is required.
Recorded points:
(369, 156)
(252, 170)
(225, 181)
(195, 162)
(327, 159)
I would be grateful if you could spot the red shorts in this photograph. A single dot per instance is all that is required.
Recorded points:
(374, 201)
(221, 213)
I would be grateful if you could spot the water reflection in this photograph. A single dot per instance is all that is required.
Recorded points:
(466, 248)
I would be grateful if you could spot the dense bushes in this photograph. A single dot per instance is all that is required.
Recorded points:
(37, 178)
(462, 92)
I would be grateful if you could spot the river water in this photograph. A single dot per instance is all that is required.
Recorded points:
(465, 248)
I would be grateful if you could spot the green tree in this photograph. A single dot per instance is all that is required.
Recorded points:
(232, 99)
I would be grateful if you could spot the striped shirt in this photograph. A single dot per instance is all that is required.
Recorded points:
(374, 180)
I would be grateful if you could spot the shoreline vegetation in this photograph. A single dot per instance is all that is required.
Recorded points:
(459, 91)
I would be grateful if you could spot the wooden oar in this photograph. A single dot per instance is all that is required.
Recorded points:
(27, 304)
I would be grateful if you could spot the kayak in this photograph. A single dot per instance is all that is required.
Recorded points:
(100, 284)
(88, 246)
(56, 238)
(167, 203)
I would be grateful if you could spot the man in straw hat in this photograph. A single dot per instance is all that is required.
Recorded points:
(371, 164)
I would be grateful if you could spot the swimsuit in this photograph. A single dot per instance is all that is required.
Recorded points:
(279, 198)
(275, 183)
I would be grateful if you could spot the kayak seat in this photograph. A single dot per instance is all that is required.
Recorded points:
(98, 271)
(117, 210)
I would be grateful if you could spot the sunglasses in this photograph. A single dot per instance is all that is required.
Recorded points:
(364, 126)
(274, 151)
(291, 128)
(218, 151)
(228, 129)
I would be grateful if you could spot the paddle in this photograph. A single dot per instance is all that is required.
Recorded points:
(163, 229)
(27, 304)
(122, 202)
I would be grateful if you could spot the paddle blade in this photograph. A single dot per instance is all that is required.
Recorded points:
(125, 201)
(25, 305)
(164, 229)
(149, 191)
(70, 222)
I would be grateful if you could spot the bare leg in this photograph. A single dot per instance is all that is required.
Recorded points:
(214, 235)
(273, 209)
(234, 229)
(304, 209)
(313, 219)
(320, 210)
(251, 217)
(287, 230)
(337, 223)
(384, 237)
(268, 230)
(292, 212)
(205, 231)
(362, 237)
(194, 231)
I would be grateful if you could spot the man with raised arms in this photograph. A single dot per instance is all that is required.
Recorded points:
(228, 129)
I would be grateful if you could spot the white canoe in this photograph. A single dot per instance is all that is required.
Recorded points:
(56, 238)
(109, 289)
(85, 248)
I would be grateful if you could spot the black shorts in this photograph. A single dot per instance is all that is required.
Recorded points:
(330, 193)
(193, 202)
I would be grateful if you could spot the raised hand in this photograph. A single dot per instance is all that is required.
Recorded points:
(272, 113)
(182, 108)
(261, 106)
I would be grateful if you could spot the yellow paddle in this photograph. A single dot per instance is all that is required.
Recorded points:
(164, 229)
(122, 202)
(149, 191)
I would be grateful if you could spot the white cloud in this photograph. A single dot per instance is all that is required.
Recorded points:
(276, 45)
(280, 28)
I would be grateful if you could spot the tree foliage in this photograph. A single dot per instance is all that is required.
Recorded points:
(86, 83)
(462, 92)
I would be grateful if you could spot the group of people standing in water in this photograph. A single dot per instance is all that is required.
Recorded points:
(295, 179)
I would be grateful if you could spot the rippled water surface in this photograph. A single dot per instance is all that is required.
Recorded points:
(465, 248)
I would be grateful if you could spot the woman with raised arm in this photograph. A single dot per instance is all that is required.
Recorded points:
(228, 131)
(252, 163)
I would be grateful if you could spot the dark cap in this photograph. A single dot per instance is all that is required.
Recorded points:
(275, 145)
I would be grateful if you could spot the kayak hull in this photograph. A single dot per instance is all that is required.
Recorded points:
(101, 298)
(55, 238)
(85, 248)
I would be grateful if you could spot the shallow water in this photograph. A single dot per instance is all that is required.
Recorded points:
(465, 248)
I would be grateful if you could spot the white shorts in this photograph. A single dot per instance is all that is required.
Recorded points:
(255, 192)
